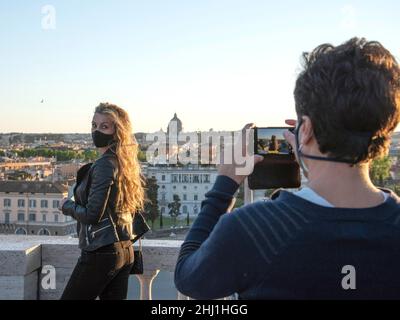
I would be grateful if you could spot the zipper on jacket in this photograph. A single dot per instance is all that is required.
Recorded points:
(94, 232)
(87, 235)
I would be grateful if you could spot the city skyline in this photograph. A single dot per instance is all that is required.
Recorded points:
(218, 64)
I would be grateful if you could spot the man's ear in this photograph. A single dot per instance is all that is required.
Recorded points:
(306, 130)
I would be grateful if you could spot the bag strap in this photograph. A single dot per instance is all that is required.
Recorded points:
(140, 244)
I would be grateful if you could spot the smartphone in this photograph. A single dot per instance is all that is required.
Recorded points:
(279, 169)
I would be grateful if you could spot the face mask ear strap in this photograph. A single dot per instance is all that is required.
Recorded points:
(298, 147)
(301, 154)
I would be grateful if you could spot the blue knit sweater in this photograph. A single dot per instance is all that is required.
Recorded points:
(290, 248)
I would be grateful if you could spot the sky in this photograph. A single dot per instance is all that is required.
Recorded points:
(217, 63)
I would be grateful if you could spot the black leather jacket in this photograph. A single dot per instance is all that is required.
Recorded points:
(95, 192)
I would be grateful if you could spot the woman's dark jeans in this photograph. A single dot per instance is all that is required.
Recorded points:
(101, 273)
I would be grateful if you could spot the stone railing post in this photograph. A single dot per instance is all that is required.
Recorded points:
(146, 283)
(20, 263)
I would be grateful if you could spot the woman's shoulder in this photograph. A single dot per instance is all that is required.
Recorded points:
(107, 159)
(107, 163)
(82, 171)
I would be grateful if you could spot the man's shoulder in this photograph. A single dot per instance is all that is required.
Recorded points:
(279, 206)
(262, 207)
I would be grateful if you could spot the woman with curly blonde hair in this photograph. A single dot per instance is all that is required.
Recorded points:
(107, 195)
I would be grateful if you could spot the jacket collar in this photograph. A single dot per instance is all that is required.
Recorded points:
(110, 151)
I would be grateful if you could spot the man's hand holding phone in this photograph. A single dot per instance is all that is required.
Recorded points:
(279, 168)
(230, 169)
(289, 136)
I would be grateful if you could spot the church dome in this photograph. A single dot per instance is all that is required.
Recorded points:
(178, 124)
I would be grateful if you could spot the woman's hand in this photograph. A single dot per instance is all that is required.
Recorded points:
(230, 169)
(62, 203)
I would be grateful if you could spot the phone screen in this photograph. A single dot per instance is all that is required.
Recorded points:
(271, 141)
(279, 169)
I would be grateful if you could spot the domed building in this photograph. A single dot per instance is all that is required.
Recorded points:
(175, 122)
(174, 128)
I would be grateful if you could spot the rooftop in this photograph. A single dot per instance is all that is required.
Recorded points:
(33, 187)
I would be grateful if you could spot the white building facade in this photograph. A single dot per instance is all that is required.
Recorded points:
(190, 183)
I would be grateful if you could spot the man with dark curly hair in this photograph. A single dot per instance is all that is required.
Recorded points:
(339, 236)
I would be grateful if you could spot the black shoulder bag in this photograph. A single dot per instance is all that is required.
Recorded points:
(139, 228)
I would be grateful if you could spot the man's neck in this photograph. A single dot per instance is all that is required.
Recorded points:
(344, 186)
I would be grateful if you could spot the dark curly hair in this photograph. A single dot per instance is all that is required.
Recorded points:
(352, 95)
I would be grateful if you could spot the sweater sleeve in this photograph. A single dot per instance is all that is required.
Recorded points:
(209, 264)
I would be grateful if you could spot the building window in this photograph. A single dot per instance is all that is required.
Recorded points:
(206, 178)
(43, 203)
(21, 231)
(163, 187)
(174, 178)
(21, 203)
(162, 210)
(184, 197)
(196, 178)
(184, 187)
(32, 217)
(7, 202)
(56, 218)
(32, 203)
(163, 177)
(21, 217)
(195, 210)
(43, 217)
(56, 204)
(185, 209)
(44, 232)
(7, 218)
(196, 197)
(174, 187)
(185, 178)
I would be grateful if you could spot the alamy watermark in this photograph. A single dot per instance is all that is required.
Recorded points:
(49, 17)
(349, 280)
(48, 281)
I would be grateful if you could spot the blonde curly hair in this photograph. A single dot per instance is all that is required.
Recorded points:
(130, 197)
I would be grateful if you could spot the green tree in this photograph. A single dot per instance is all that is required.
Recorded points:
(174, 208)
(142, 156)
(396, 189)
(90, 155)
(187, 219)
(379, 170)
(151, 210)
(60, 155)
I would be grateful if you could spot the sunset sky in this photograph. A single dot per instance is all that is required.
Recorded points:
(216, 63)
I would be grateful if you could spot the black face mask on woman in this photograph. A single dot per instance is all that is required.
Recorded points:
(101, 139)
